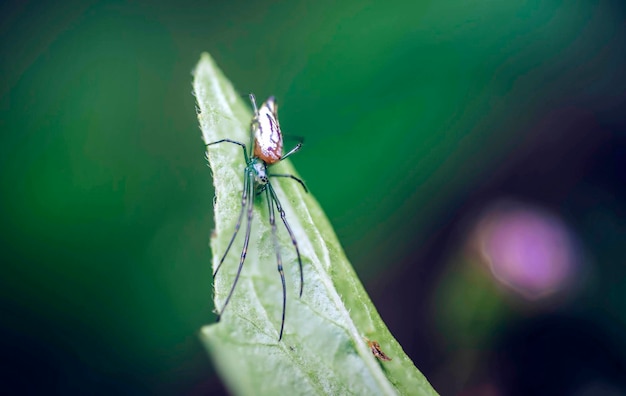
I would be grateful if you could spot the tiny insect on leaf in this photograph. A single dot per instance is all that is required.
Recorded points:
(376, 350)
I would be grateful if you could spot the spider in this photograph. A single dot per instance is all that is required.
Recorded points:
(267, 150)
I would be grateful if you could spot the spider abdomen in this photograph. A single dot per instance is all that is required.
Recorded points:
(268, 139)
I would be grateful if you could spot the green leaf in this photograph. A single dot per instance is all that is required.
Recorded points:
(323, 350)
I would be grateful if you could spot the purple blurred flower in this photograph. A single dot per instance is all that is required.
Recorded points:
(528, 250)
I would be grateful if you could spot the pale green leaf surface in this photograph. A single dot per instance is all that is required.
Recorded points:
(323, 350)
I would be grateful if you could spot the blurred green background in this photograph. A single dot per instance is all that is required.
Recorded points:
(416, 116)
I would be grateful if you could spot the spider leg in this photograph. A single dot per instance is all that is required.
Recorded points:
(306, 190)
(270, 207)
(243, 146)
(254, 124)
(253, 100)
(248, 186)
(260, 189)
(289, 231)
(292, 151)
(244, 200)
